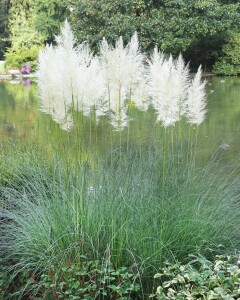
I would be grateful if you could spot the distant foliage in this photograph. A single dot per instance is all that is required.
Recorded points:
(25, 40)
(201, 279)
(195, 28)
(4, 31)
(31, 24)
(173, 26)
(229, 63)
(49, 16)
(17, 57)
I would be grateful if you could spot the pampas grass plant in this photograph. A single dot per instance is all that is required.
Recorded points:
(136, 205)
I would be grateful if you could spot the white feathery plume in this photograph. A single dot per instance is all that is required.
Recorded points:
(114, 64)
(71, 75)
(81, 103)
(118, 110)
(135, 70)
(63, 118)
(56, 77)
(196, 102)
(67, 64)
(140, 96)
(46, 62)
(97, 87)
(138, 80)
(181, 82)
(161, 82)
(119, 120)
(47, 82)
(92, 88)
(66, 39)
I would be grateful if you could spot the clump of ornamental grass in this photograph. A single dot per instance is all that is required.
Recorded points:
(136, 207)
(119, 211)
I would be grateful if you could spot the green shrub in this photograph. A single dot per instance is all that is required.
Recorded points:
(200, 279)
(17, 57)
(229, 63)
(84, 279)
(2, 66)
(90, 279)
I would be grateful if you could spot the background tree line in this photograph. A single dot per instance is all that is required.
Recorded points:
(207, 32)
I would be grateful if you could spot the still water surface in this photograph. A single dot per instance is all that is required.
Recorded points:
(21, 119)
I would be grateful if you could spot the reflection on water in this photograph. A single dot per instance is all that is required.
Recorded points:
(21, 117)
(222, 124)
(18, 109)
(26, 82)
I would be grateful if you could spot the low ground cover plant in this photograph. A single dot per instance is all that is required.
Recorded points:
(91, 279)
(200, 279)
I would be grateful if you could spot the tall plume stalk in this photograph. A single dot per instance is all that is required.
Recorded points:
(116, 80)
(173, 95)
(56, 77)
(196, 107)
(71, 78)
(196, 101)
(168, 87)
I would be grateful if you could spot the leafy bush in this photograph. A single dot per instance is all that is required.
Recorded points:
(200, 279)
(90, 279)
(229, 63)
(85, 280)
(17, 57)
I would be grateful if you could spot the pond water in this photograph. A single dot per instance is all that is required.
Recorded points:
(21, 119)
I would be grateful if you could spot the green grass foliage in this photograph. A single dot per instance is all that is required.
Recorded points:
(135, 208)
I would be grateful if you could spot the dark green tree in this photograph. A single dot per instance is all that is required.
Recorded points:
(24, 38)
(4, 33)
(31, 24)
(49, 16)
(196, 28)
(229, 62)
